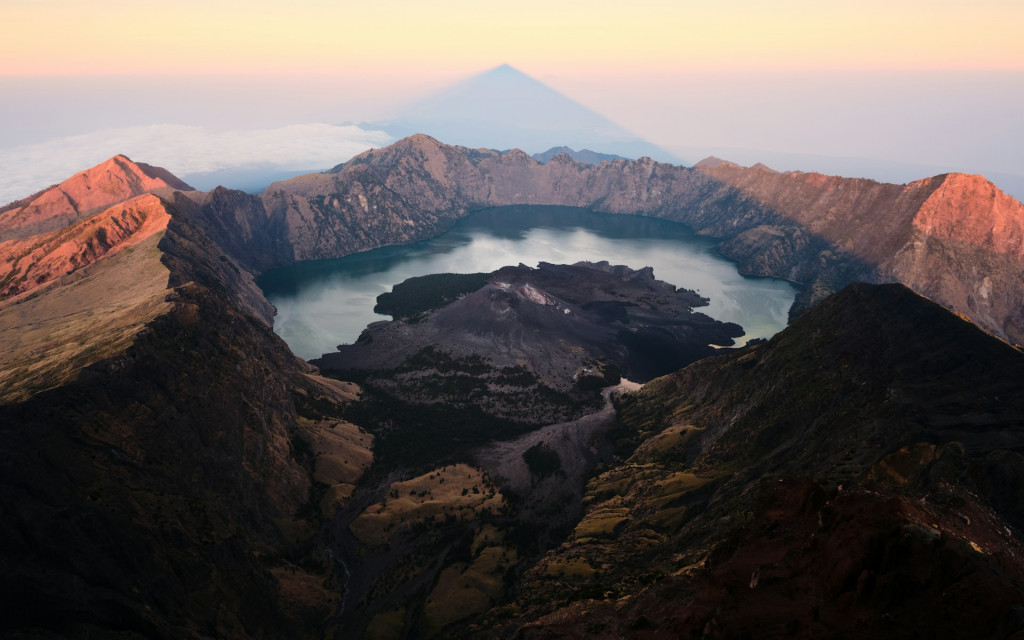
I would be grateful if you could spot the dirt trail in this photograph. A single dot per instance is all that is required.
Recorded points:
(578, 449)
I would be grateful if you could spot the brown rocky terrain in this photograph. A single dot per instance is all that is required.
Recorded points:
(554, 321)
(834, 481)
(955, 238)
(49, 337)
(34, 261)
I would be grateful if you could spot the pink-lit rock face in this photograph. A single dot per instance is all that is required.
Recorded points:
(28, 263)
(955, 238)
(868, 217)
(102, 186)
(970, 209)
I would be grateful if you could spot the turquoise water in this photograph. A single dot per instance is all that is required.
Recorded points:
(324, 303)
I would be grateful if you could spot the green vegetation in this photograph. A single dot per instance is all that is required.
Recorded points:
(411, 299)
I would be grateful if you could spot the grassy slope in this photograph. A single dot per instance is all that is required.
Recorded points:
(93, 314)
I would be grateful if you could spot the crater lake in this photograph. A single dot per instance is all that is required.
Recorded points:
(323, 303)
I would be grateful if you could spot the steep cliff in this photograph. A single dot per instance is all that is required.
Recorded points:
(955, 238)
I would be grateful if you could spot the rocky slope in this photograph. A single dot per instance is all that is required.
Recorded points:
(820, 231)
(838, 480)
(34, 261)
(955, 238)
(56, 307)
(115, 180)
(166, 461)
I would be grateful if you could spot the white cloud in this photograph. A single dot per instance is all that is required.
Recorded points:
(182, 150)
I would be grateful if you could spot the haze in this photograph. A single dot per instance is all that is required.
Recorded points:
(895, 90)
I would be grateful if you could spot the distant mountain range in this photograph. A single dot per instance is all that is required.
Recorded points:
(586, 156)
(503, 108)
(170, 469)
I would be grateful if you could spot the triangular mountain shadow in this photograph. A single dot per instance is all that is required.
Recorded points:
(504, 108)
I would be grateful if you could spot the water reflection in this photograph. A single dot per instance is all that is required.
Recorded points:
(324, 303)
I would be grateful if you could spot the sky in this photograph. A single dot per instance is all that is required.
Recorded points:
(935, 85)
(257, 36)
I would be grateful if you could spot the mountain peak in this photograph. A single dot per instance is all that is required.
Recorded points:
(141, 175)
(114, 180)
(586, 156)
(417, 145)
(970, 209)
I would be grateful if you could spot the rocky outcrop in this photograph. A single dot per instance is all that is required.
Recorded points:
(242, 226)
(37, 260)
(108, 183)
(966, 250)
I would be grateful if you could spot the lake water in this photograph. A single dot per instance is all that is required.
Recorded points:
(324, 303)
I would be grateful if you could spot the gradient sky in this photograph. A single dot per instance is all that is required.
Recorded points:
(936, 83)
(258, 36)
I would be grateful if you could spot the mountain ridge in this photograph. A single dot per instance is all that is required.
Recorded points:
(36, 261)
(159, 477)
(820, 231)
(187, 476)
(103, 185)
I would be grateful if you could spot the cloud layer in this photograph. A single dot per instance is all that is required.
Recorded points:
(182, 150)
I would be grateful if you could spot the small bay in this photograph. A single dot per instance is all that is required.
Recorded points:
(323, 303)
